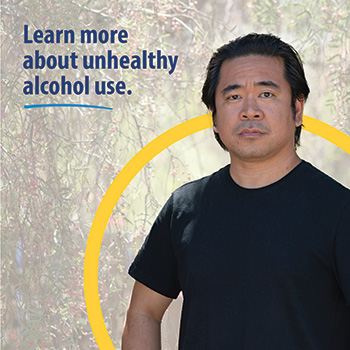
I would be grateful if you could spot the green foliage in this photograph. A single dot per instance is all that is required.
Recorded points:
(58, 163)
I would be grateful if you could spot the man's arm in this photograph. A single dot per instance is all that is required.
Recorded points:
(142, 326)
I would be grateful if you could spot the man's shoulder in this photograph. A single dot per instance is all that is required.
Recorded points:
(322, 185)
(320, 178)
(195, 188)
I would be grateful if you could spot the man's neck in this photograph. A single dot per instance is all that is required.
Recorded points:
(256, 174)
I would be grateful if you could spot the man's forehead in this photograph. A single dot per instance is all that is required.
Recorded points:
(256, 61)
(254, 67)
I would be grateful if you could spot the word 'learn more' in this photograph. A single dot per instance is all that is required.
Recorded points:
(88, 36)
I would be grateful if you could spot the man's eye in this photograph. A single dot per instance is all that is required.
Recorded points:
(234, 97)
(266, 94)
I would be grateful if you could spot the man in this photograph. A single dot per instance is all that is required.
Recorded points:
(261, 248)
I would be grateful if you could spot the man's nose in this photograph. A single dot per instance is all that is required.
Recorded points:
(251, 110)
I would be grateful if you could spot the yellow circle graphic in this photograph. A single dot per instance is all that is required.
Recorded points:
(119, 184)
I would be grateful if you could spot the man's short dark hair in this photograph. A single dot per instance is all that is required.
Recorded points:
(257, 44)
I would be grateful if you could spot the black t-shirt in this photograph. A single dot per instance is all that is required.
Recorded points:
(265, 268)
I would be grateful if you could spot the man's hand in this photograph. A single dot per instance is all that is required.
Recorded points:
(142, 326)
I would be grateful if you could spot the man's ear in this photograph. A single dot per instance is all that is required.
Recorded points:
(213, 118)
(299, 109)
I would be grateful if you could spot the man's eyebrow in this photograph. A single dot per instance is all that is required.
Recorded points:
(269, 83)
(231, 87)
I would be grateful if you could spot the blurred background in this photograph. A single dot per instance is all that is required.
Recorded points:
(57, 163)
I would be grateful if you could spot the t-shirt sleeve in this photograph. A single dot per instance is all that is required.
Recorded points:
(155, 265)
(342, 251)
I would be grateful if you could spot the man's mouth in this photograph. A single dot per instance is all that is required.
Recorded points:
(251, 132)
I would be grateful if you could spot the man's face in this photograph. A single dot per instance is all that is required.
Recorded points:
(254, 117)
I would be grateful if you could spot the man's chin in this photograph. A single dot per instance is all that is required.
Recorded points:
(249, 154)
